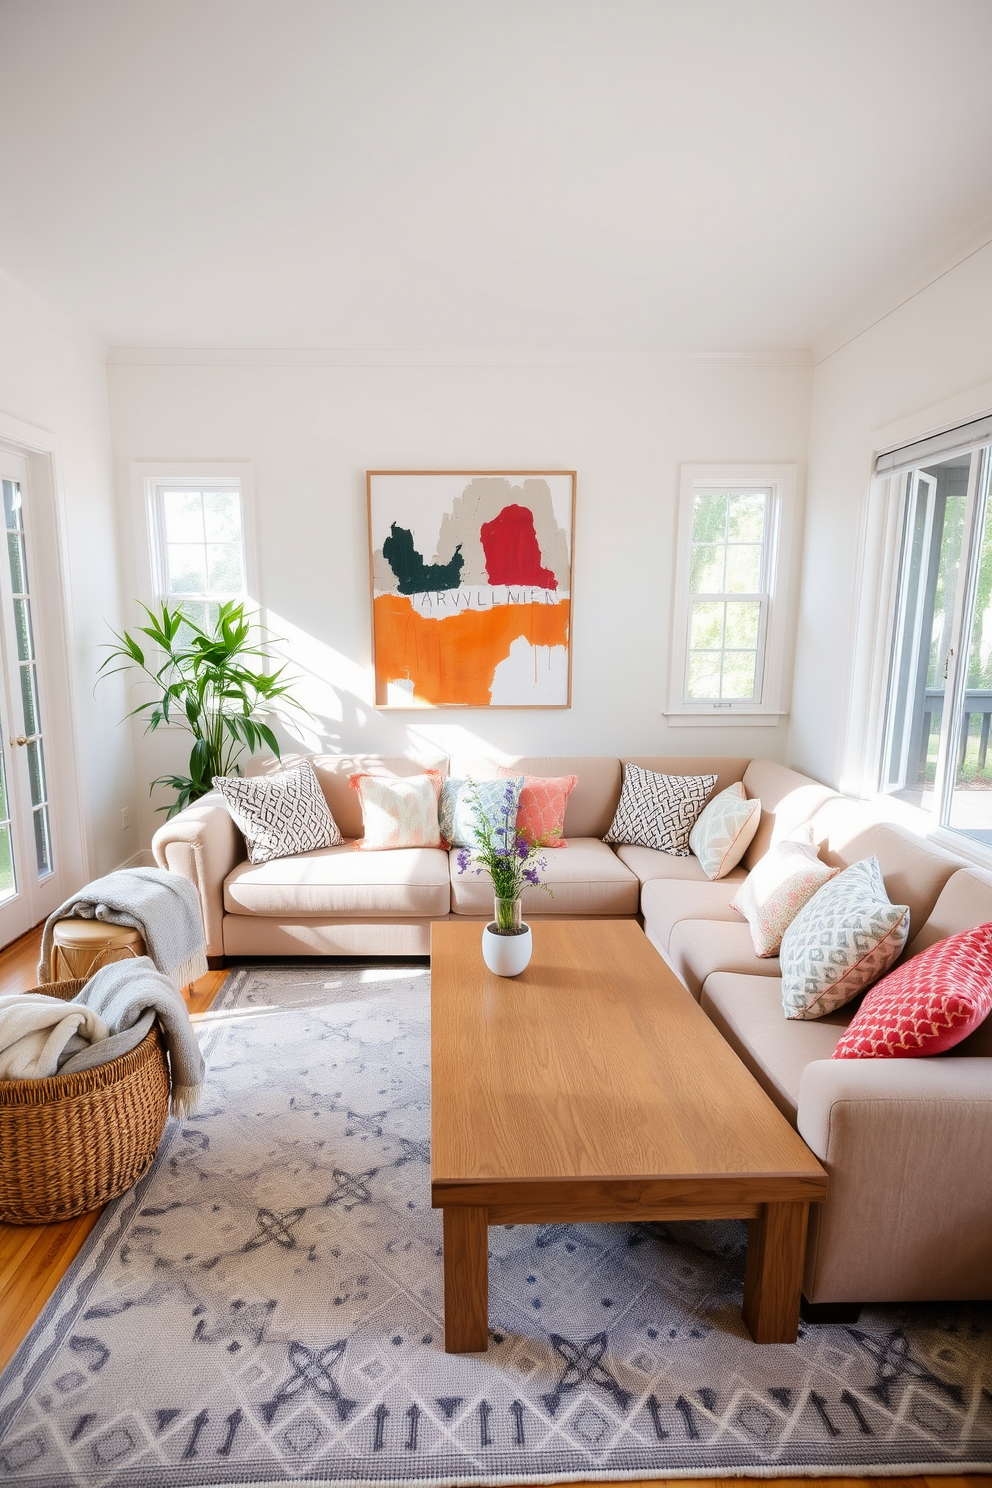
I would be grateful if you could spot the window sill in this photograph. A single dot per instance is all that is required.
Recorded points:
(723, 718)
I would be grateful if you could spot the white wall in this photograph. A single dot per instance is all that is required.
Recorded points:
(311, 431)
(54, 382)
(924, 366)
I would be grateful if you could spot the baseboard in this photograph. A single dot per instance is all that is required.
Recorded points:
(141, 859)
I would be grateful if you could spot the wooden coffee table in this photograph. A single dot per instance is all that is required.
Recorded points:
(593, 1087)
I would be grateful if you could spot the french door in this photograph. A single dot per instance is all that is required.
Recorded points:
(30, 880)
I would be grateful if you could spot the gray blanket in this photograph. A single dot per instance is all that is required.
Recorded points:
(164, 907)
(128, 996)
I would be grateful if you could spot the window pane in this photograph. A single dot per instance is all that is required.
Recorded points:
(15, 553)
(22, 627)
(183, 516)
(12, 505)
(706, 628)
(971, 802)
(8, 886)
(36, 772)
(929, 578)
(743, 619)
(738, 675)
(224, 571)
(709, 517)
(746, 522)
(706, 569)
(222, 516)
(187, 569)
(704, 674)
(744, 569)
(42, 841)
(29, 698)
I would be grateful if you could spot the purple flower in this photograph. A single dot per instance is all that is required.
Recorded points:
(523, 849)
(463, 860)
(531, 875)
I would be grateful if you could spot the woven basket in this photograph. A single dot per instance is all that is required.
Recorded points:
(73, 1142)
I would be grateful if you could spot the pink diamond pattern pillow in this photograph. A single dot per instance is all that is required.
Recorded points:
(541, 813)
(928, 1005)
(400, 812)
(777, 888)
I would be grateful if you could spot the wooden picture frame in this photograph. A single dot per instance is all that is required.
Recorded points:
(471, 585)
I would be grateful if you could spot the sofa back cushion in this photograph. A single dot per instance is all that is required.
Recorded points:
(787, 798)
(845, 831)
(334, 771)
(591, 805)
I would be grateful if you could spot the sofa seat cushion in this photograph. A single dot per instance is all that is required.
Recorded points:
(588, 879)
(648, 863)
(664, 902)
(340, 883)
(697, 948)
(748, 1012)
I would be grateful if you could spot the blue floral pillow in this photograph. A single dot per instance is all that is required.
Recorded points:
(457, 813)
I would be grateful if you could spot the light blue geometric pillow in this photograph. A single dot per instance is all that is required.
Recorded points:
(457, 813)
(840, 942)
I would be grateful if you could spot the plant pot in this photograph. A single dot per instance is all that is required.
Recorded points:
(507, 955)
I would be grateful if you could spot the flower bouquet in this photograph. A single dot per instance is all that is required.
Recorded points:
(510, 861)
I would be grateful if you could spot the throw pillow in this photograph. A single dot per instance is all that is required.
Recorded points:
(928, 1005)
(399, 811)
(724, 829)
(280, 814)
(457, 812)
(840, 942)
(541, 815)
(776, 889)
(659, 810)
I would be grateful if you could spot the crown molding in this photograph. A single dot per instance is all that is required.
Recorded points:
(59, 320)
(977, 237)
(174, 356)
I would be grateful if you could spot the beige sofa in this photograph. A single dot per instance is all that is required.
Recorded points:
(907, 1143)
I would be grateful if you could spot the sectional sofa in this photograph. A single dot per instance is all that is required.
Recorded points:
(907, 1143)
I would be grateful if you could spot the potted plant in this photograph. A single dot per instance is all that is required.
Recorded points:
(511, 863)
(207, 681)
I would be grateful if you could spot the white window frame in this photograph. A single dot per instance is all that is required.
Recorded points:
(147, 480)
(771, 701)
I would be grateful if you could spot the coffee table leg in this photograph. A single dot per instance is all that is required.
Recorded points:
(466, 1279)
(773, 1279)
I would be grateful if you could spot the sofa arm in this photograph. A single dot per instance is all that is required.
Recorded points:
(203, 844)
(907, 1144)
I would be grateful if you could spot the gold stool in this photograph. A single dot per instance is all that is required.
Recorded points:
(81, 947)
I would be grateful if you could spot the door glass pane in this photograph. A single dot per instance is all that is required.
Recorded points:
(971, 801)
(31, 720)
(929, 578)
(8, 884)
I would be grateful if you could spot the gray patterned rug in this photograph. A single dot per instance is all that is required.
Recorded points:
(266, 1306)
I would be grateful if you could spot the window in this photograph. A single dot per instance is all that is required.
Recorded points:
(727, 632)
(935, 749)
(198, 544)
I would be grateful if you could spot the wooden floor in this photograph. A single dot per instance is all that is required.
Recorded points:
(33, 1258)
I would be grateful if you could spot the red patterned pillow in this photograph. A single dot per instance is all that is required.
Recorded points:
(541, 813)
(928, 1005)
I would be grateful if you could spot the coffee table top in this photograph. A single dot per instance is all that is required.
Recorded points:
(594, 1064)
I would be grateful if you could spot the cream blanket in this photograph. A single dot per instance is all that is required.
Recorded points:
(34, 1031)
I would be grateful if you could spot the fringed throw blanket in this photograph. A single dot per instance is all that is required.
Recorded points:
(164, 907)
(126, 996)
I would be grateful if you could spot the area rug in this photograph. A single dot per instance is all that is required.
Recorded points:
(266, 1306)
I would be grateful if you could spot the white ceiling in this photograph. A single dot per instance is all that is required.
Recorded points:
(491, 177)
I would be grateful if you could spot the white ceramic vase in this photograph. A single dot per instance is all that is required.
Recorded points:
(507, 955)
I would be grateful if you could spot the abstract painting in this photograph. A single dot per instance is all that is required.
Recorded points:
(471, 588)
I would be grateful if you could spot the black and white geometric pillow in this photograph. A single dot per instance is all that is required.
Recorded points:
(659, 810)
(280, 815)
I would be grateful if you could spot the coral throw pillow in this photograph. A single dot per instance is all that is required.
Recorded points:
(541, 813)
(399, 812)
(928, 1005)
(724, 829)
(845, 938)
(777, 888)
